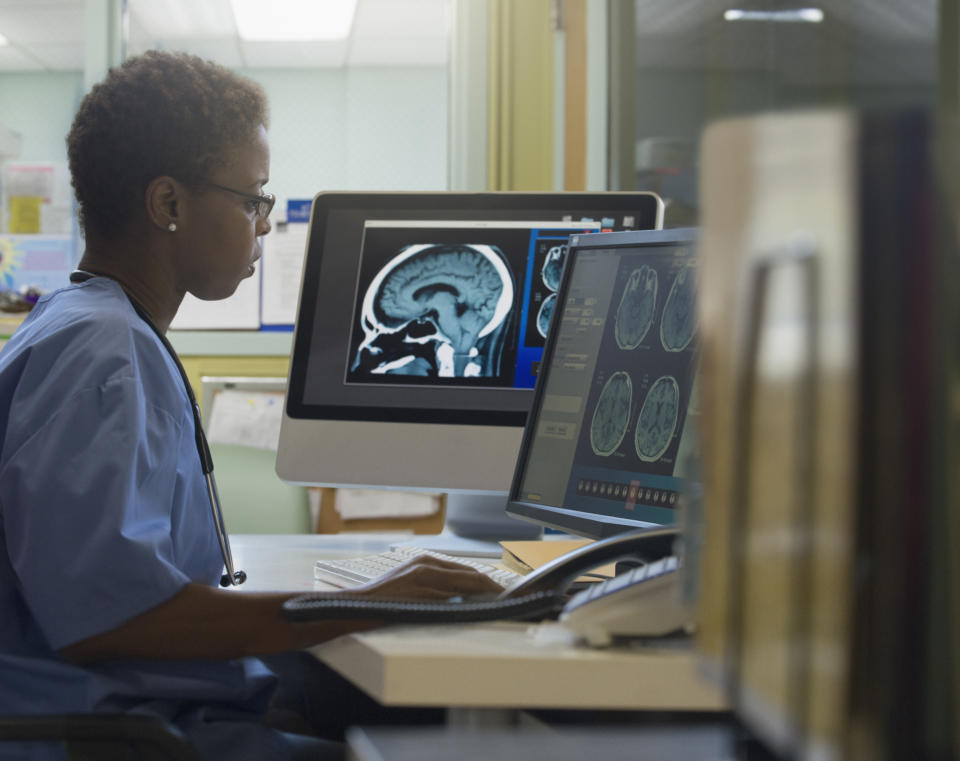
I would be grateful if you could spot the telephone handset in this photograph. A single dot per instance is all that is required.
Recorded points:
(540, 593)
(644, 545)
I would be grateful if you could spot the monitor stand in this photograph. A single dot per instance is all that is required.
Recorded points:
(474, 525)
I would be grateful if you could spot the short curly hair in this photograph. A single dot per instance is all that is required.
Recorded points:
(156, 114)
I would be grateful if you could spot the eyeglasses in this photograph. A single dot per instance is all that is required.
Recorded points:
(264, 203)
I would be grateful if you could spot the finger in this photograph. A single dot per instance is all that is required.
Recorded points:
(424, 578)
(427, 581)
(428, 563)
(430, 560)
(462, 580)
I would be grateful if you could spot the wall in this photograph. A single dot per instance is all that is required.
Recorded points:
(40, 106)
(332, 129)
(356, 129)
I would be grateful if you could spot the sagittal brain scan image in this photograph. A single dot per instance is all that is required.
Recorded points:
(611, 416)
(637, 306)
(658, 419)
(679, 314)
(437, 310)
(545, 313)
(553, 266)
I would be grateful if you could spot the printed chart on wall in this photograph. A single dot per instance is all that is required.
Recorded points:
(41, 262)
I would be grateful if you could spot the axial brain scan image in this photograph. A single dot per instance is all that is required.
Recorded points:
(436, 310)
(611, 416)
(679, 314)
(545, 313)
(553, 266)
(658, 419)
(637, 305)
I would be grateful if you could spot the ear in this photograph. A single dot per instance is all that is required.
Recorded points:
(163, 201)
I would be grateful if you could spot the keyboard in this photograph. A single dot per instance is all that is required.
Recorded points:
(351, 572)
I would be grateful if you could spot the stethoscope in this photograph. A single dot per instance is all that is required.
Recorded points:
(231, 577)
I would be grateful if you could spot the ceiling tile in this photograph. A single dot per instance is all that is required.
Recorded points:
(225, 51)
(410, 50)
(40, 3)
(413, 18)
(294, 55)
(44, 23)
(11, 59)
(59, 57)
(165, 19)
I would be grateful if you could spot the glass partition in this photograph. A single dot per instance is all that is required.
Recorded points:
(674, 67)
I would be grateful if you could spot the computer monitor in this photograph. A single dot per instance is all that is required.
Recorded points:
(420, 329)
(611, 427)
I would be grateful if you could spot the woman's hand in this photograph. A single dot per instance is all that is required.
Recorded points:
(204, 622)
(429, 578)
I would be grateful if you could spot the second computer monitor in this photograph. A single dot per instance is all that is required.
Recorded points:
(421, 324)
(611, 431)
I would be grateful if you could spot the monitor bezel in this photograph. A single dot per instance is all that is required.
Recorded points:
(648, 206)
(557, 517)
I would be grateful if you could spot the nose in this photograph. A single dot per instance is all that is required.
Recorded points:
(263, 225)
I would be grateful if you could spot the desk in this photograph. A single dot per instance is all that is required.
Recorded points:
(498, 666)
(284, 562)
(515, 665)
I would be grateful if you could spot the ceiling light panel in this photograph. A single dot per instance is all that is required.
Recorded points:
(166, 19)
(786, 15)
(294, 20)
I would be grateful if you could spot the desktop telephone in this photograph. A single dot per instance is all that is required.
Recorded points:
(543, 592)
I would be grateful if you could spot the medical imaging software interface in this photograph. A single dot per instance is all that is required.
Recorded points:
(461, 304)
(431, 315)
(616, 414)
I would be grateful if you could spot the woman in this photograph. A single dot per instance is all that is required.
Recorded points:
(109, 559)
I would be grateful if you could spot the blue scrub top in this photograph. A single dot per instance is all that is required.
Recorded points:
(104, 515)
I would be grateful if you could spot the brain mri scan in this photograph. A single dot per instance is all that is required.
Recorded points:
(611, 416)
(553, 266)
(679, 314)
(545, 313)
(637, 305)
(437, 310)
(658, 419)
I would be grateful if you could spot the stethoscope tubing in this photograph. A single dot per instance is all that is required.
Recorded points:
(231, 577)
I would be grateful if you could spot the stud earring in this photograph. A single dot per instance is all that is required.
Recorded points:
(172, 227)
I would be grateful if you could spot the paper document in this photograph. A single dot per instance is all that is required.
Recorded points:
(43, 262)
(526, 556)
(283, 252)
(37, 198)
(375, 503)
(248, 418)
(25, 214)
